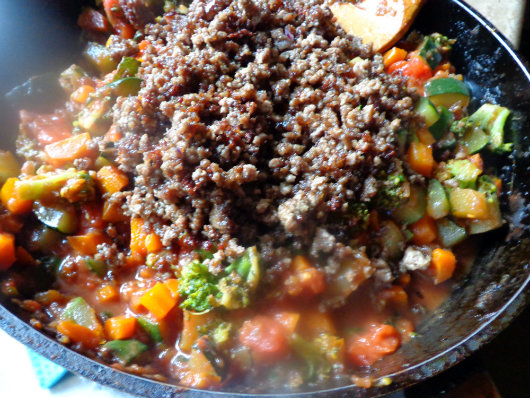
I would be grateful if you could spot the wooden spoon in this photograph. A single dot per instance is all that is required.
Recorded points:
(380, 22)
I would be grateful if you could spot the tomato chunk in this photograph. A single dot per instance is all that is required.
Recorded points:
(265, 336)
(378, 341)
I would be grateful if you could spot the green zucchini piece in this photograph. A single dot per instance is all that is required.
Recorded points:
(464, 171)
(128, 67)
(447, 91)
(150, 328)
(126, 350)
(429, 52)
(38, 189)
(443, 124)
(93, 118)
(493, 221)
(492, 119)
(100, 57)
(450, 233)
(98, 267)
(426, 109)
(80, 312)
(437, 202)
(71, 79)
(126, 86)
(9, 166)
(60, 216)
(414, 208)
(475, 139)
(391, 239)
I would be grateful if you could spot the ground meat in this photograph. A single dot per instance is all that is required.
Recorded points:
(258, 122)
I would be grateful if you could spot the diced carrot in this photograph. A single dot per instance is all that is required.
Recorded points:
(305, 280)
(113, 134)
(476, 159)
(153, 243)
(396, 66)
(134, 260)
(424, 231)
(87, 244)
(11, 198)
(192, 325)
(7, 250)
(81, 94)
(378, 341)
(200, 372)
(138, 235)
(120, 327)
(443, 265)
(111, 179)
(66, 151)
(420, 158)
(300, 263)
(143, 45)
(173, 286)
(425, 136)
(289, 320)
(393, 55)
(498, 184)
(113, 212)
(158, 300)
(394, 295)
(107, 294)
(265, 337)
(124, 29)
(79, 334)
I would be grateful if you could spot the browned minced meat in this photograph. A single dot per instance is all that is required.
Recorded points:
(259, 122)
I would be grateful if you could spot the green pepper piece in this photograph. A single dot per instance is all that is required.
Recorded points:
(443, 124)
(126, 86)
(126, 350)
(151, 328)
(80, 312)
(98, 267)
(60, 216)
(128, 67)
(100, 57)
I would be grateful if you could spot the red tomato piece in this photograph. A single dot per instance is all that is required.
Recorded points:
(46, 129)
(265, 336)
(93, 21)
(378, 341)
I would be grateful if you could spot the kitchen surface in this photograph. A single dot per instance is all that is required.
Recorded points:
(500, 369)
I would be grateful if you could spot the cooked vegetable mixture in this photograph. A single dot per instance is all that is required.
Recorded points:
(238, 195)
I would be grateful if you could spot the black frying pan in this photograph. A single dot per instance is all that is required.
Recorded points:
(488, 297)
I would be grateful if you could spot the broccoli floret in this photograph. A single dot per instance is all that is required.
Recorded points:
(360, 213)
(443, 42)
(199, 286)
(81, 188)
(492, 119)
(231, 289)
(460, 127)
(392, 192)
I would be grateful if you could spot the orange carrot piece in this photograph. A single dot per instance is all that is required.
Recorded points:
(120, 327)
(24, 257)
(112, 212)
(113, 134)
(173, 286)
(425, 137)
(81, 94)
(87, 244)
(289, 320)
(443, 265)
(424, 231)
(7, 250)
(394, 295)
(420, 158)
(476, 159)
(153, 243)
(107, 294)
(111, 179)
(158, 300)
(79, 334)
(11, 198)
(395, 54)
(138, 235)
(66, 151)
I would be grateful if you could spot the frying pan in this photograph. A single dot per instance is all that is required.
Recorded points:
(487, 298)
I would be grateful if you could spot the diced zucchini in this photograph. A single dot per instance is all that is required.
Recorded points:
(475, 139)
(93, 118)
(443, 124)
(126, 350)
(437, 202)
(150, 328)
(391, 240)
(429, 52)
(464, 171)
(36, 189)
(426, 109)
(98, 267)
(468, 203)
(447, 91)
(491, 222)
(450, 233)
(71, 79)
(59, 216)
(492, 119)
(100, 57)
(9, 166)
(126, 86)
(414, 209)
(80, 312)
